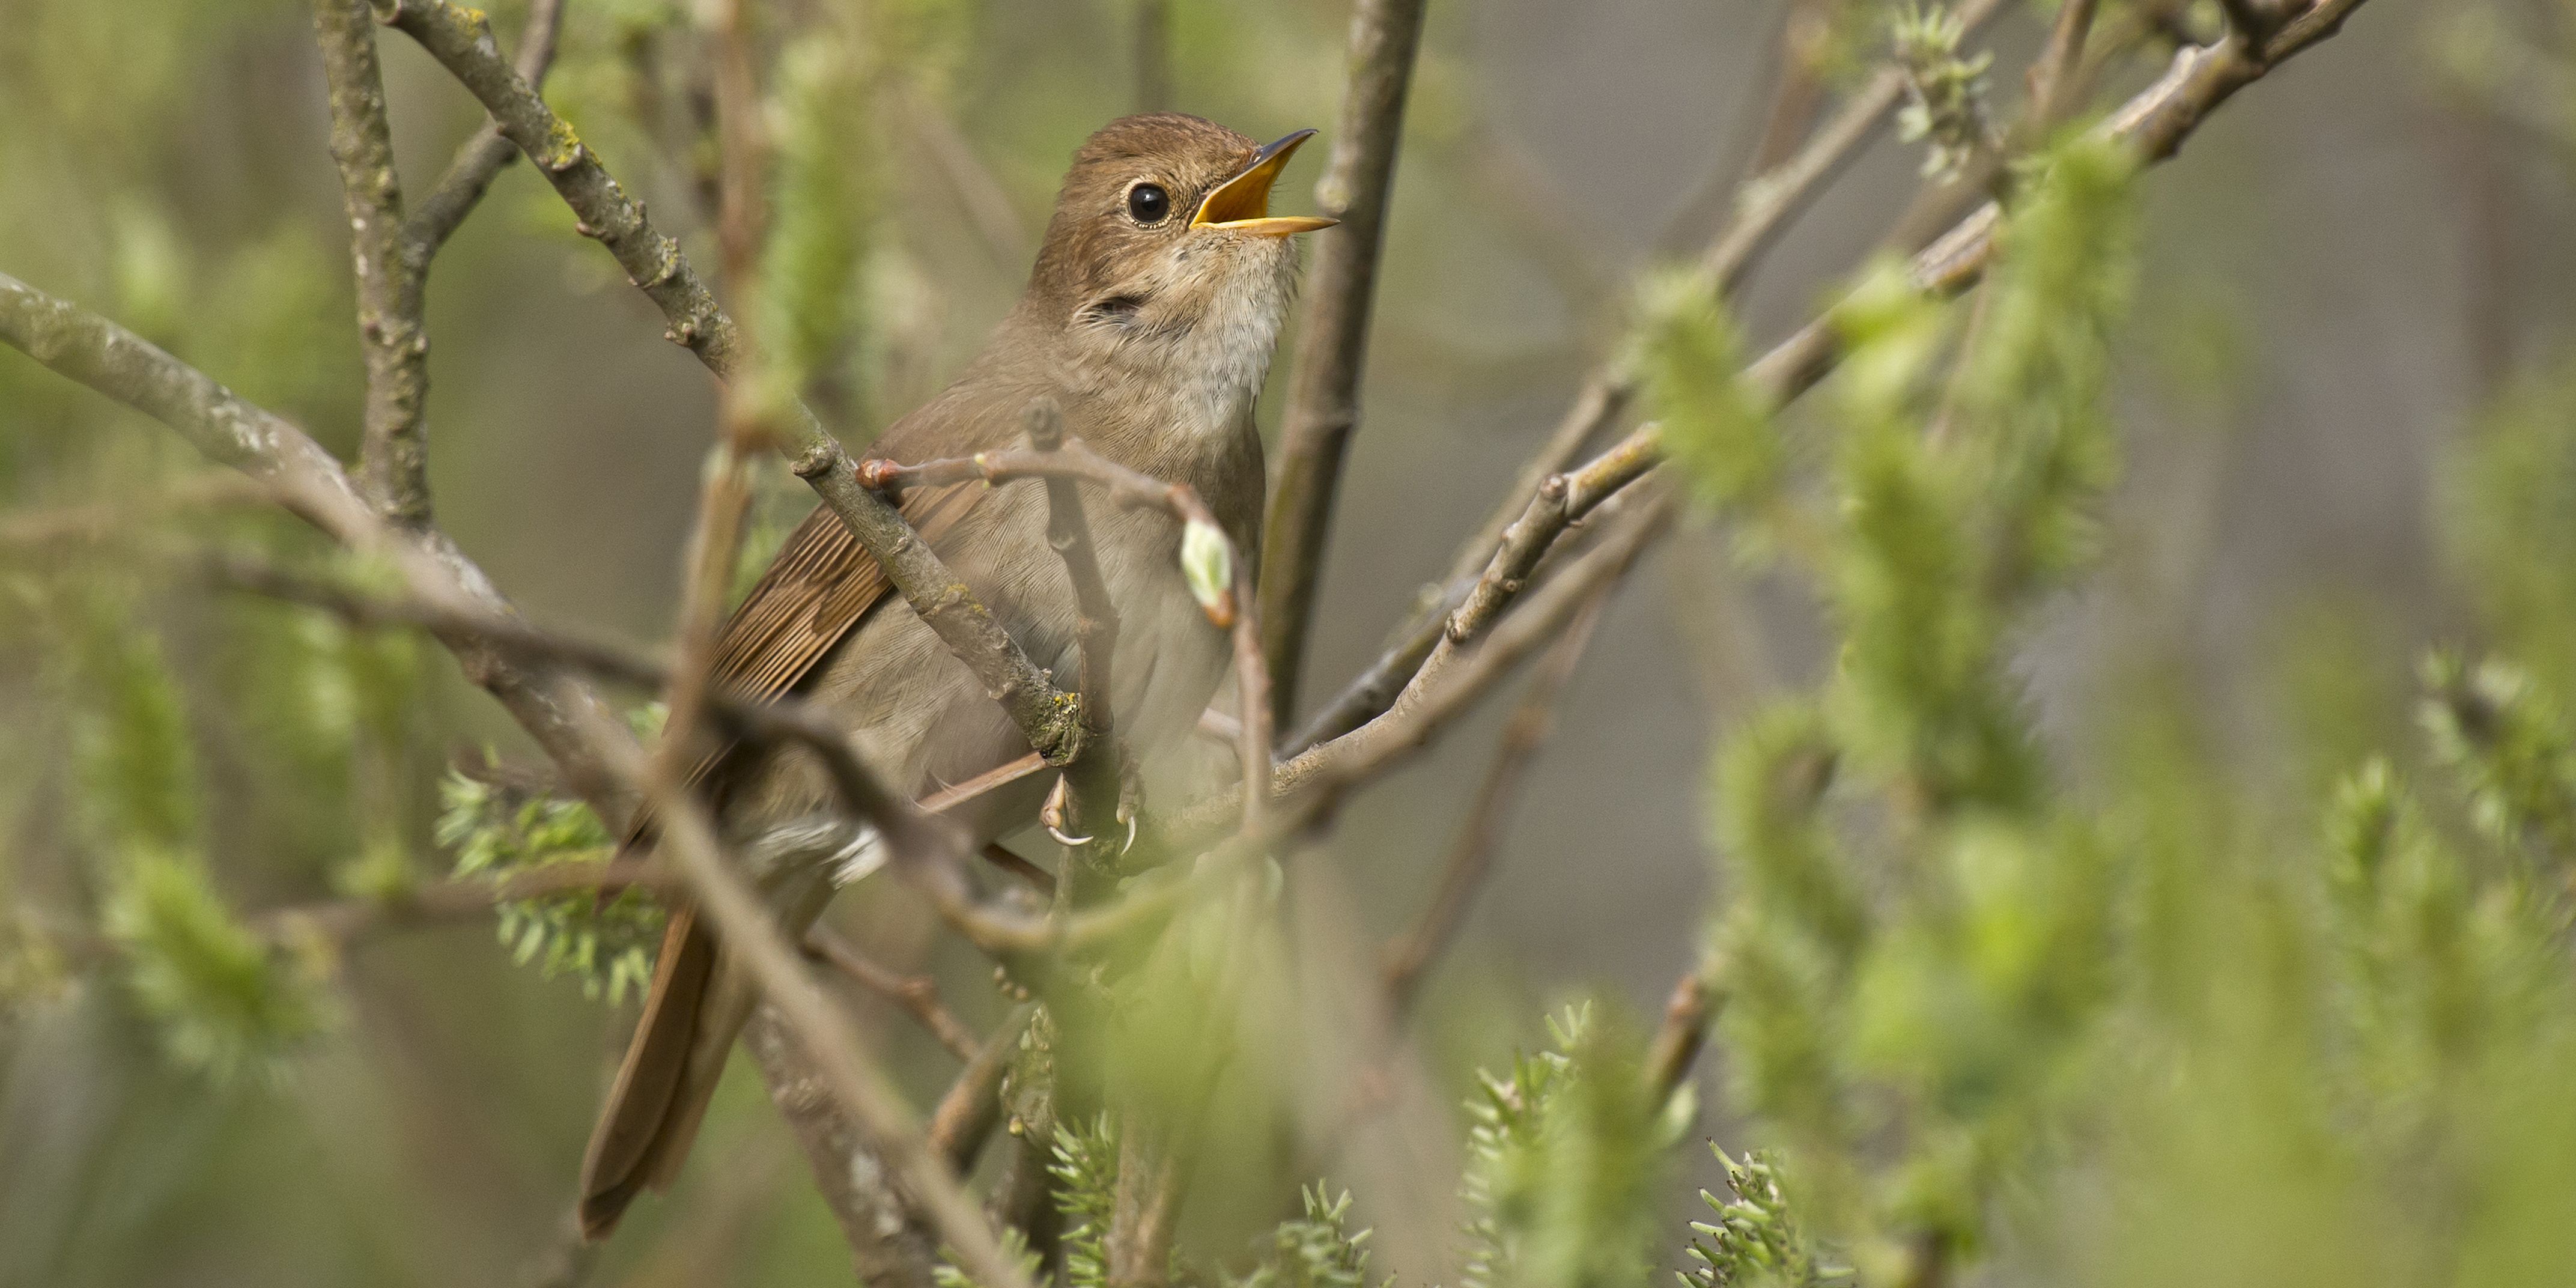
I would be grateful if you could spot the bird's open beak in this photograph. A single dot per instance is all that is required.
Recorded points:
(1242, 204)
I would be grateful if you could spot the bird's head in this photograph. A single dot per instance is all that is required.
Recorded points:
(1163, 233)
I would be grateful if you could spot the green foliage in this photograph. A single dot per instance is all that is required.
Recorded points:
(606, 942)
(1945, 93)
(1713, 426)
(1085, 1168)
(225, 1001)
(2507, 529)
(1565, 1162)
(1755, 1241)
(1915, 949)
(1317, 1250)
(1015, 1245)
(130, 740)
(2508, 746)
(824, 193)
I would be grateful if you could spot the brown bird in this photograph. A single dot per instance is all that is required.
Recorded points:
(1149, 320)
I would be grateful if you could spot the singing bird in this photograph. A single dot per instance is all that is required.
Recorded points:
(1149, 320)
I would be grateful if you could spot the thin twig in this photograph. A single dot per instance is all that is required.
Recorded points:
(1471, 856)
(1098, 778)
(393, 452)
(2154, 123)
(461, 41)
(965, 1116)
(1683, 1031)
(917, 994)
(1307, 784)
(343, 920)
(724, 496)
(2055, 75)
(1332, 344)
(985, 203)
(117, 521)
(482, 157)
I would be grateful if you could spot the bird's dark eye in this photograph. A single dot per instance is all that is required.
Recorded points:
(1149, 203)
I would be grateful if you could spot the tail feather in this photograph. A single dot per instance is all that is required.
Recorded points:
(654, 1104)
(698, 1004)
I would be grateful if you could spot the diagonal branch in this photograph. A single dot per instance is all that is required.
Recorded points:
(309, 483)
(1323, 404)
(916, 994)
(462, 42)
(2154, 124)
(1409, 957)
(482, 157)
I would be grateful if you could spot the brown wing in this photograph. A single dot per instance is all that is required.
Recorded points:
(819, 586)
(811, 596)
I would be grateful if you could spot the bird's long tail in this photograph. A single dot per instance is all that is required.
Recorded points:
(696, 1007)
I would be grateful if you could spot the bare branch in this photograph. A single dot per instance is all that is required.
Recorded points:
(310, 484)
(1766, 206)
(1471, 856)
(461, 41)
(393, 456)
(1409, 726)
(482, 157)
(1332, 344)
(1680, 1036)
(343, 920)
(985, 203)
(887, 1250)
(965, 1116)
(1309, 782)
(916, 994)
(2155, 123)
(927, 852)
(2055, 76)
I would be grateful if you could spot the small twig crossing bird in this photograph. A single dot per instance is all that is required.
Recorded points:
(1149, 320)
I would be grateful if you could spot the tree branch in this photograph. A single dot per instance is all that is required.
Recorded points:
(1766, 205)
(965, 1116)
(343, 920)
(929, 853)
(461, 41)
(309, 483)
(482, 157)
(2154, 123)
(1332, 345)
(1471, 855)
(916, 994)
(393, 456)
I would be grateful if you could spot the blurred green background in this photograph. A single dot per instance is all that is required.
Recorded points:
(2338, 391)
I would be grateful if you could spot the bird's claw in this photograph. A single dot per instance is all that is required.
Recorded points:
(1051, 815)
